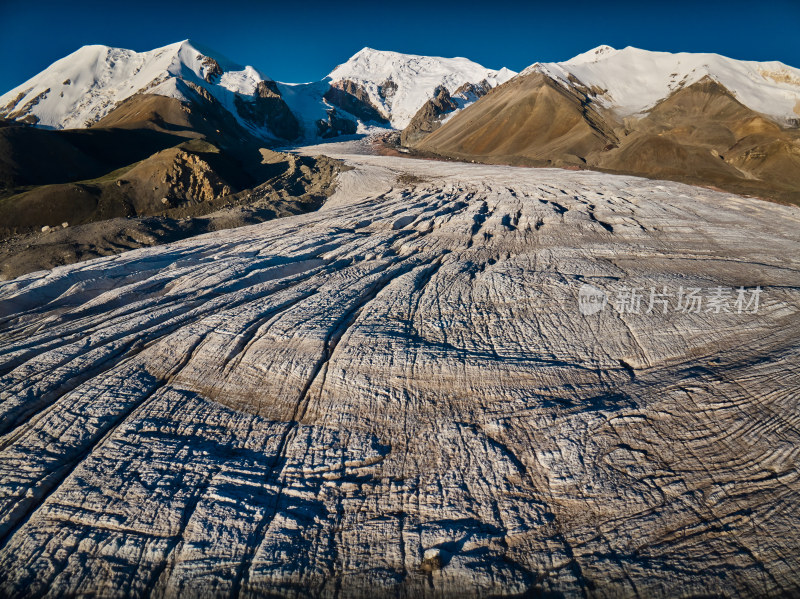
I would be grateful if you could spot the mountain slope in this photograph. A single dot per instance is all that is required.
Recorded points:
(703, 133)
(531, 120)
(31, 156)
(441, 107)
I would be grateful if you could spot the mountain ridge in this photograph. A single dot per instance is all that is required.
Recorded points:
(374, 87)
(85, 86)
(376, 70)
(88, 84)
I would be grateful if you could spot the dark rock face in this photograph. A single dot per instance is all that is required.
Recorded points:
(352, 97)
(213, 70)
(267, 89)
(429, 116)
(268, 109)
(335, 125)
(387, 89)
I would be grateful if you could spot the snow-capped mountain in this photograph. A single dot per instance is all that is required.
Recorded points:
(631, 80)
(399, 84)
(372, 88)
(86, 85)
(697, 118)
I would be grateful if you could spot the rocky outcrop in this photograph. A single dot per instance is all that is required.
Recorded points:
(435, 111)
(352, 98)
(387, 90)
(429, 117)
(399, 395)
(22, 114)
(191, 178)
(9, 111)
(470, 92)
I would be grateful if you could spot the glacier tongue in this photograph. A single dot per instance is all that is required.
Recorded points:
(397, 395)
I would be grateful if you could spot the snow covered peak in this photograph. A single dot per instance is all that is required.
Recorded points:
(631, 81)
(398, 84)
(84, 86)
(378, 65)
(592, 55)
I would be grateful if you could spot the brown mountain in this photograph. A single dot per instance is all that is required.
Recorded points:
(529, 120)
(701, 134)
(431, 115)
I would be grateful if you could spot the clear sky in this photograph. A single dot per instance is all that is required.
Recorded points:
(303, 41)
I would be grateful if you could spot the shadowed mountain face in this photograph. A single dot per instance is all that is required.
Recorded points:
(156, 162)
(268, 109)
(700, 134)
(353, 98)
(31, 156)
(429, 117)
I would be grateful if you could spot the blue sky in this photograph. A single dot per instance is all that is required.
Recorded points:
(293, 41)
